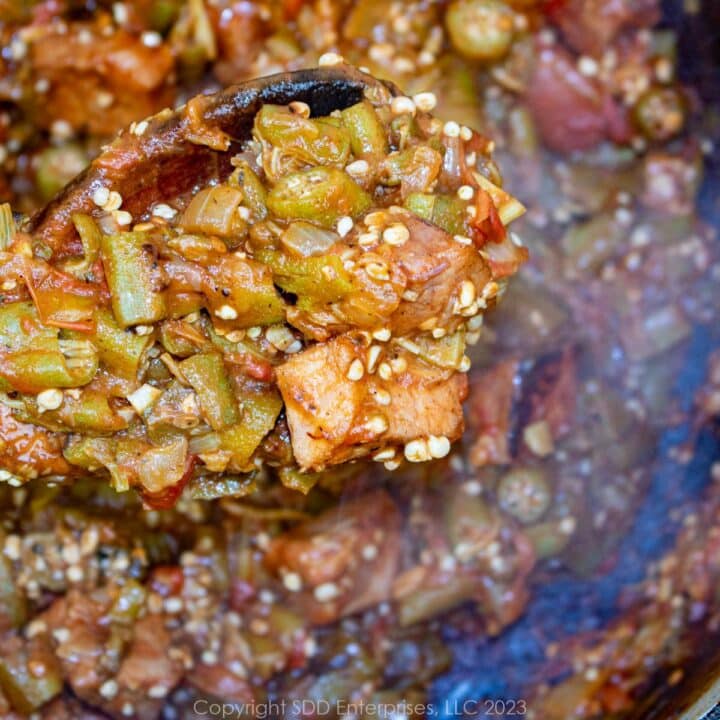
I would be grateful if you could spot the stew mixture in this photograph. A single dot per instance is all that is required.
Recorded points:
(281, 572)
(335, 275)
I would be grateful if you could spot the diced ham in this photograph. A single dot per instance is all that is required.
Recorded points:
(327, 412)
(489, 413)
(147, 665)
(104, 85)
(219, 681)
(236, 60)
(332, 551)
(552, 391)
(591, 26)
(572, 111)
(26, 449)
(434, 265)
(81, 627)
(320, 402)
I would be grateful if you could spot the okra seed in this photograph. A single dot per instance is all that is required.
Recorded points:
(417, 450)
(75, 574)
(385, 371)
(377, 425)
(300, 108)
(139, 128)
(358, 168)
(398, 365)
(438, 445)
(50, 399)
(344, 225)
(280, 337)
(396, 234)
(226, 312)
(356, 370)
(101, 196)
(384, 455)
(325, 592)
(568, 525)
(114, 201)
(425, 101)
(330, 58)
(467, 293)
(109, 689)
(373, 357)
(367, 239)
(451, 129)
(122, 217)
(402, 106)
(426, 58)
(292, 582)
(369, 552)
(475, 323)
(377, 271)
(173, 605)
(164, 211)
(465, 192)
(588, 66)
(151, 39)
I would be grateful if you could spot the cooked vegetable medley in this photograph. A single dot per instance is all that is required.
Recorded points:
(322, 296)
(228, 308)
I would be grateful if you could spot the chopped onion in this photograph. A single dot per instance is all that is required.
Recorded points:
(306, 239)
(164, 466)
(508, 207)
(7, 226)
(213, 211)
(504, 257)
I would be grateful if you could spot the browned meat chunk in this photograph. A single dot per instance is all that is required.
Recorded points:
(325, 555)
(435, 265)
(100, 86)
(83, 628)
(334, 418)
(489, 413)
(590, 26)
(572, 112)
